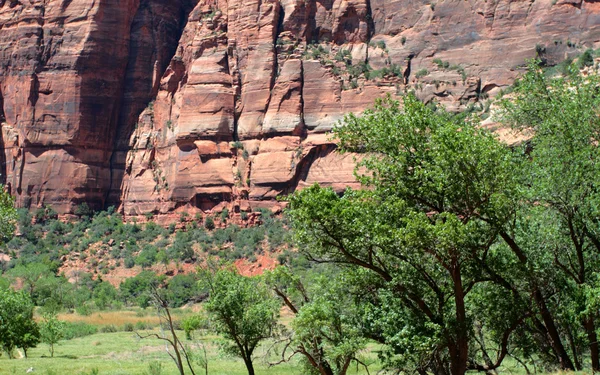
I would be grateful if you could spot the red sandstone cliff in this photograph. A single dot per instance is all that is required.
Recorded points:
(137, 103)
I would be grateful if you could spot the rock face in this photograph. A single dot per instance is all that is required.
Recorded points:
(155, 106)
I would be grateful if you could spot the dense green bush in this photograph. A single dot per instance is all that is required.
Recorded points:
(78, 329)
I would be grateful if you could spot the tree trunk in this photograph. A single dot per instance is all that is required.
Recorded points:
(460, 353)
(325, 369)
(590, 328)
(554, 336)
(573, 349)
(249, 366)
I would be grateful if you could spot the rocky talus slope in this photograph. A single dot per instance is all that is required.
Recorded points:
(155, 105)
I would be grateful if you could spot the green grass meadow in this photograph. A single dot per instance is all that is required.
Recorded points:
(124, 353)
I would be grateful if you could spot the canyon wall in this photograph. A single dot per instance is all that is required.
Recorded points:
(165, 105)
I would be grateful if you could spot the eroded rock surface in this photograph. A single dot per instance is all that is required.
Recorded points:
(157, 106)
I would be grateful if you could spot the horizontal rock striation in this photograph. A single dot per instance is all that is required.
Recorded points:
(156, 106)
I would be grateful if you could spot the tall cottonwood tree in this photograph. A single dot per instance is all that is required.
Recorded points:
(557, 230)
(424, 230)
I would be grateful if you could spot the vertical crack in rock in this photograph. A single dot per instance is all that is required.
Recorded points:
(155, 33)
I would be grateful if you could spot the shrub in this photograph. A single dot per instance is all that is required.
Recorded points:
(110, 328)
(224, 214)
(83, 210)
(209, 223)
(422, 73)
(78, 329)
(128, 327)
(83, 310)
(586, 58)
(192, 323)
(154, 368)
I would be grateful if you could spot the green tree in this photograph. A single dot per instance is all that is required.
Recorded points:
(325, 328)
(557, 230)
(17, 327)
(51, 331)
(104, 295)
(191, 324)
(241, 309)
(8, 216)
(31, 276)
(136, 289)
(423, 233)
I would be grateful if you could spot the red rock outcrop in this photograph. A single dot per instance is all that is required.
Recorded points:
(156, 106)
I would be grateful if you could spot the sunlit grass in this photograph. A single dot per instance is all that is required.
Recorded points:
(116, 318)
(124, 353)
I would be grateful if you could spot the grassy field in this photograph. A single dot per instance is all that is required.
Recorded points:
(123, 353)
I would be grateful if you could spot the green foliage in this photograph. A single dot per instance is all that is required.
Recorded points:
(224, 214)
(586, 59)
(109, 328)
(44, 214)
(435, 183)
(315, 51)
(83, 210)
(359, 69)
(8, 216)
(325, 328)
(104, 295)
(344, 55)
(137, 288)
(191, 324)
(181, 248)
(441, 64)
(52, 331)
(154, 368)
(421, 73)
(181, 289)
(557, 230)
(17, 327)
(241, 310)
(209, 223)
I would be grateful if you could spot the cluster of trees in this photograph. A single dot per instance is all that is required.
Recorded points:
(86, 294)
(461, 251)
(18, 329)
(471, 251)
(47, 240)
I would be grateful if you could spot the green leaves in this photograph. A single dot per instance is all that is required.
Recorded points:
(326, 325)
(8, 216)
(52, 331)
(17, 327)
(436, 191)
(241, 309)
(429, 158)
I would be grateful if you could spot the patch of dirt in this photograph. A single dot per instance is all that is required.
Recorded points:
(263, 262)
